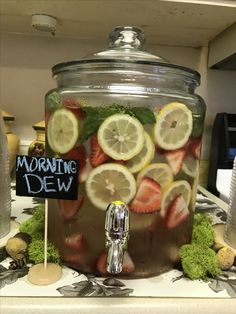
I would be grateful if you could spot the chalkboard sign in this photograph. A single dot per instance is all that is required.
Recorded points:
(46, 177)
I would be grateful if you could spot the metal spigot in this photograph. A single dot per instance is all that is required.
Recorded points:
(117, 234)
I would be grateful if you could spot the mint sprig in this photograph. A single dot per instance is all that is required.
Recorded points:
(53, 101)
(96, 115)
(144, 115)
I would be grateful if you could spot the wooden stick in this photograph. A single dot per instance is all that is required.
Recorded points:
(46, 233)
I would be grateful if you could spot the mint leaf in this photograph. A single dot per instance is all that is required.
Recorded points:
(198, 123)
(53, 101)
(94, 118)
(96, 115)
(90, 126)
(144, 115)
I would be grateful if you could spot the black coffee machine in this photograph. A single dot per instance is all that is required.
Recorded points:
(223, 147)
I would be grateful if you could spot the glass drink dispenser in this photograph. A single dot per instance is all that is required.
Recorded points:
(134, 123)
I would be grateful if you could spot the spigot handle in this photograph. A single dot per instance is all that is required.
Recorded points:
(117, 234)
(115, 258)
(117, 219)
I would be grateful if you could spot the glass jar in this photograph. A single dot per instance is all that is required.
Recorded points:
(5, 183)
(37, 147)
(134, 123)
(13, 141)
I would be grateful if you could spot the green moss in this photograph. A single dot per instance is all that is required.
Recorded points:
(203, 220)
(35, 225)
(35, 228)
(193, 271)
(199, 261)
(36, 252)
(203, 235)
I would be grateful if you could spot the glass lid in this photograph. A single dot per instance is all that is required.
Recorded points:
(125, 47)
(126, 43)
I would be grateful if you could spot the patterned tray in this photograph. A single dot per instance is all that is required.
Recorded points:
(75, 284)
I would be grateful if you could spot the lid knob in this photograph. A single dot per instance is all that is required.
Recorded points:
(126, 37)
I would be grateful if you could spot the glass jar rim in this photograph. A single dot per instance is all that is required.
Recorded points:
(77, 65)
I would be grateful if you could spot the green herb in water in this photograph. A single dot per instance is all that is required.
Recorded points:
(96, 115)
(53, 101)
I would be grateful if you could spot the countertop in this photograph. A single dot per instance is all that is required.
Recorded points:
(153, 295)
(131, 305)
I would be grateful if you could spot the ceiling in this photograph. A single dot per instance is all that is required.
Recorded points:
(181, 23)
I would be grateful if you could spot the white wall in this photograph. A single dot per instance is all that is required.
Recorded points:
(25, 77)
(26, 63)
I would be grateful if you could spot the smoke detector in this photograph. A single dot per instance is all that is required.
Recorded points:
(44, 23)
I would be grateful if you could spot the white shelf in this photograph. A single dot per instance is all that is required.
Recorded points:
(181, 23)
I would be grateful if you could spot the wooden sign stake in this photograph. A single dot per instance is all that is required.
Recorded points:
(45, 273)
(46, 234)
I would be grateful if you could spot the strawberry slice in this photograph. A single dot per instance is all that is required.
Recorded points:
(97, 156)
(70, 103)
(177, 212)
(195, 147)
(128, 264)
(69, 208)
(76, 242)
(102, 263)
(84, 173)
(75, 260)
(78, 153)
(47, 116)
(73, 105)
(120, 162)
(148, 197)
(175, 159)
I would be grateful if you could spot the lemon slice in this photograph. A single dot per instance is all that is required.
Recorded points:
(190, 166)
(110, 182)
(144, 157)
(173, 190)
(62, 131)
(173, 126)
(121, 136)
(159, 172)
